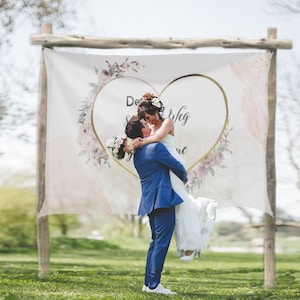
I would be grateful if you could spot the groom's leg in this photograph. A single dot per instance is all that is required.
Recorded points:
(162, 222)
(150, 251)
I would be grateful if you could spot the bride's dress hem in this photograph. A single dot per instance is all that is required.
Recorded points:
(195, 217)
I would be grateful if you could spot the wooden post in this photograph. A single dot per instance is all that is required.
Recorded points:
(270, 221)
(43, 242)
(51, 40)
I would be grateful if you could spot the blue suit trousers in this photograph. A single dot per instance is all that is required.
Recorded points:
(162, 222)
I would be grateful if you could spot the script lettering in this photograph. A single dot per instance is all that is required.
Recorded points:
(183, 150)
(180, 115)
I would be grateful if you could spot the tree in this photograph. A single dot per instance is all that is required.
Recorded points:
(289, 106)
(14, 13)
(18, 82)
(288, 97)
(17, 217)
(64, 223)
(2, 107)
(284, 7)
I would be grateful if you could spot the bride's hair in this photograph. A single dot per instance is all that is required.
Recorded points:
(151, 105)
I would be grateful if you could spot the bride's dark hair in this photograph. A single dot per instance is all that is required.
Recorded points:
(151, 105)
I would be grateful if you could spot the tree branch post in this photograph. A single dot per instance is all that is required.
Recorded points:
(43, 241)
(270, 221)
(82, 41)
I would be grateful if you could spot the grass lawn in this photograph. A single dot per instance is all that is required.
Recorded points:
(86, 269)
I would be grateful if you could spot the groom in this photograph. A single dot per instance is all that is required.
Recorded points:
(153, 163)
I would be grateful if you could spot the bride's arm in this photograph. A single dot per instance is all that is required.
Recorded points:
(166, 127)
(135, 143)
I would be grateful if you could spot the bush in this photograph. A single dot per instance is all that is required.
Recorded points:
(64, 243)
(17, 222)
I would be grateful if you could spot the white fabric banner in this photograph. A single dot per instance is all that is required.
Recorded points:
(218, 103)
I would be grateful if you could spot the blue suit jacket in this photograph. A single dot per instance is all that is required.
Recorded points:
(153, 163)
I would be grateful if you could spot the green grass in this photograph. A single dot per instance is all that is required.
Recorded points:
(84, 269)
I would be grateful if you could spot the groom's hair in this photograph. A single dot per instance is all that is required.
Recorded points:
(134, 128)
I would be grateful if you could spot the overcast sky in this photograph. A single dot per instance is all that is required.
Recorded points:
(186, 19)
(167, 18)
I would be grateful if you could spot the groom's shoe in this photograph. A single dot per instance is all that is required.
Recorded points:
(144, 288)
(160, 290)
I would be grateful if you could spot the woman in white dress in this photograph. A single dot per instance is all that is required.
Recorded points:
(194, 217)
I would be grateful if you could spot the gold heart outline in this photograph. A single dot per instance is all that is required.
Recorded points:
(92, 120)
(159, 94)
(226, 115)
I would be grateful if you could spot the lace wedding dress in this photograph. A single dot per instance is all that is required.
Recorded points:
(195, 216)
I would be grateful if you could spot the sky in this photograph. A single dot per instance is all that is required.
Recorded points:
(156, 18)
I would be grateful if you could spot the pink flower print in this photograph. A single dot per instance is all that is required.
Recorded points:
(87, 138)
(201, 171)
(209, 160)
(91, 96)
(86, 130)
(105, 73)
(219, 157)
(255, 118)
(255, 113)
(207, 165)
(88, 143)
(96, 150)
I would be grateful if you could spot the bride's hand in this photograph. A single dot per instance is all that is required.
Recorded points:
(128, 149)
(136, 143)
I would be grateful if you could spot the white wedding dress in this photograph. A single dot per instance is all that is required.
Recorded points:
(195, 217)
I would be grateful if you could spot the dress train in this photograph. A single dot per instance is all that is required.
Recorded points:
(195, 217)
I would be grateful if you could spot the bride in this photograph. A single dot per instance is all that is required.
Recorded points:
(194, 217)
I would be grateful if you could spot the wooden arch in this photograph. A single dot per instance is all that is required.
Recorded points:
(271, 43)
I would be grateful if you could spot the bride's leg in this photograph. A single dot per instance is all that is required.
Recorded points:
(188, 256)
(188, 252)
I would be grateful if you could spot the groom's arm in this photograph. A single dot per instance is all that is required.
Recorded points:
(164, 157)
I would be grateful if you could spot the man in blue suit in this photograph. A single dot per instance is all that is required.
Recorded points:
(153, 163)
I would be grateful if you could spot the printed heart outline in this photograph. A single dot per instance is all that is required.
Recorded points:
(226, 113)
(159, 95)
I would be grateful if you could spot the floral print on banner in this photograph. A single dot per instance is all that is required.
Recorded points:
(91, 148)
(210, 161)
(87, 139)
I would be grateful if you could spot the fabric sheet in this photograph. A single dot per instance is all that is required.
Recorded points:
(219, 105)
